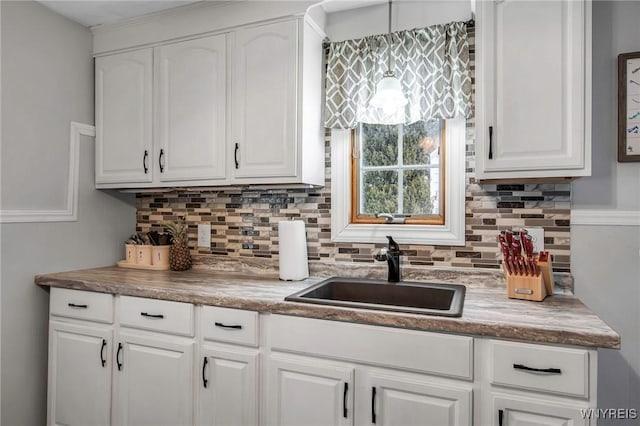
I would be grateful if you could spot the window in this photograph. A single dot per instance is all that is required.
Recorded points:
(440, 222)
(397, 169)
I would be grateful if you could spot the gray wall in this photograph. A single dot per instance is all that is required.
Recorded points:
(605, 260)
(47, 82)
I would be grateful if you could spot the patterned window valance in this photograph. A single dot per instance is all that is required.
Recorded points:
(432, 64)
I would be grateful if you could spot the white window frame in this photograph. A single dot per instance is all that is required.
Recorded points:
(452, 233)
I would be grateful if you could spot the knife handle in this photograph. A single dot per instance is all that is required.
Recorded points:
(507, 264)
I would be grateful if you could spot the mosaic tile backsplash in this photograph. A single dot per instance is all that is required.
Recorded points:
(244, 222)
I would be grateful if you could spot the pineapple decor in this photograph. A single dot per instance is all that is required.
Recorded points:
(179, 255)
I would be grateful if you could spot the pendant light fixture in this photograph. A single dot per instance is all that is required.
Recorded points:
(389, 94)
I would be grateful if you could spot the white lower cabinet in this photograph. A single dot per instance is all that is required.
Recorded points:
(311, 392)
(332, 373)
(228, 386)
(79, 391)
(513, 410)
(153, 382)
(535, 385)
(398, 399)
(318, 392)
(135, 361)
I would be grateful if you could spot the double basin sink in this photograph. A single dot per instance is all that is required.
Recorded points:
(412, 297)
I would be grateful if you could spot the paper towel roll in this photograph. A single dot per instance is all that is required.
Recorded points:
(293, 250)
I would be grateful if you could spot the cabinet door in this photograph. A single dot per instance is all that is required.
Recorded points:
(123, 117)
(79, 391)
(523, 411)
(265, 79)
(228, 388)
(391, 400)
(531, 92)
(190, 101)
(153, 380)
(309, 393)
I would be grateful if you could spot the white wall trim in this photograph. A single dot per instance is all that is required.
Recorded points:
(451, 233)
(605, 217)
(70, 212)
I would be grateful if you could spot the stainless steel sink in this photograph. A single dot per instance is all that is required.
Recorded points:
(414, 297)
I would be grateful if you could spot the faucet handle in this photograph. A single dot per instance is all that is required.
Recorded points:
(393, 246)
(382, 254)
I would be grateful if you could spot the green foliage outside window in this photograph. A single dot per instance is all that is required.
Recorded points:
(380, 147)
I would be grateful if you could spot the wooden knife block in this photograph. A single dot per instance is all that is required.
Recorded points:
(528, 287)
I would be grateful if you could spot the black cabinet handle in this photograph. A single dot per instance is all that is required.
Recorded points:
(161, 161)
(144, 161)
(344, 400)
(235, 155)
(74, 305)
(537, 370)
(204, 368)
(144, 314)
(490, 142)
(373, 405)
(500, 417)
(102, 348)
(235, 327)
(120, 364)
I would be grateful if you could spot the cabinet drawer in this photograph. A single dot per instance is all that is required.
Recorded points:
(230, 325)
(85, 305)
(158, 315)
(545, 368)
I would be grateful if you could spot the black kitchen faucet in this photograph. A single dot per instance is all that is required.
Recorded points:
(392, 255)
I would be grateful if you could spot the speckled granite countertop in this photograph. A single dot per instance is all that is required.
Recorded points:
(560, 318)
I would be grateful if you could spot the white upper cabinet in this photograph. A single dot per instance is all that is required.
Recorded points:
(264, 101)
(189, 109)
(243, 107)
(533, 89)
(123, 117)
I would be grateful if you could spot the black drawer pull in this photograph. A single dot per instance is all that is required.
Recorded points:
(537, 370)
(344, 400)
(161, 161)
(235, 155)
(204, 368)
(500, 417)
(75, 305)
(373, 405)
(144, 314)
(144, 161)
(235, 327)
(120, 364)
(102, 348)
(490, 142)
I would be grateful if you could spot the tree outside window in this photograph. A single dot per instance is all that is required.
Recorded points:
(397, 169)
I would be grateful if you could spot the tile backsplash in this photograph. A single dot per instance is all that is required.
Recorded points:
(244, 221)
